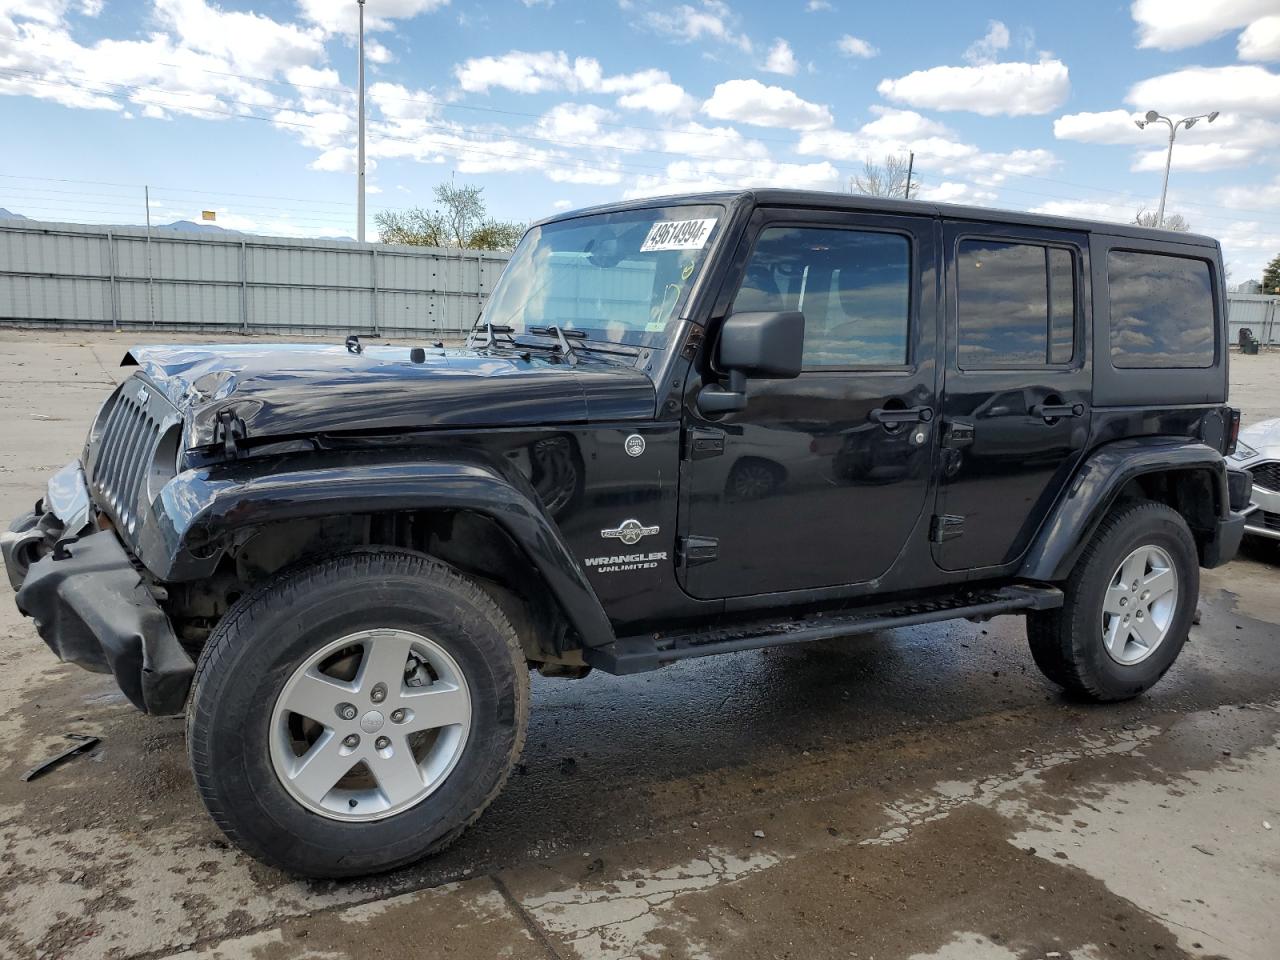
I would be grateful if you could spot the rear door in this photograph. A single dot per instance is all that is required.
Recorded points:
(1016, 399)
(820, 480)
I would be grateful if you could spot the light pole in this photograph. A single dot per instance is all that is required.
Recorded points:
(360, 121)
(1153, 117)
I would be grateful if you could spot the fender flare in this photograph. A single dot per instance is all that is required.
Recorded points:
(1096, 486)
(198, 513)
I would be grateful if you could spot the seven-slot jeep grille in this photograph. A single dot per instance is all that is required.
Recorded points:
(123, 447)
(1267, 474)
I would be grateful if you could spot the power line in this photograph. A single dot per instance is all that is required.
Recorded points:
(447, 144)
(445, 104)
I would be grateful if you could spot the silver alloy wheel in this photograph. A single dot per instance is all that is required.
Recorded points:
(370, 725)
(1140, 605)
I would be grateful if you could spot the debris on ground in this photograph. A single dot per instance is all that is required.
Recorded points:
(83, 744)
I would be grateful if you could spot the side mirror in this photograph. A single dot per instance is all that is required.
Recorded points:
(754, 346)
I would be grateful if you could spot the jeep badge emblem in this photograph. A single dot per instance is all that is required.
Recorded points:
(629, 532)
(634, 445)
(143, 395)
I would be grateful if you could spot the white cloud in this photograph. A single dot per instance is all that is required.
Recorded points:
(1252, 197)
(562, 205)
(1243, 89)
(992, 89)
(1234, 139)
(893, 124)
(711, 20)
(712, 142)
(817, 6)
(249, 41)
(949, 191)
(661, 98)
(1192, 157)
(573, 121)
(750, 101)
(685, 176)
(341, 16)
(781, 59)
(1115, 211)
(1260, 40)
(524, 72)
(1174, 24)
(1109, 126)
(187, 65)
(527, 72)
(937, 152)
(852, 46)
(989, 46)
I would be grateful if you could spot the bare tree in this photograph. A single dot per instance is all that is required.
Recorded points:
(1175, 221)
(461, 221)
(885, 179)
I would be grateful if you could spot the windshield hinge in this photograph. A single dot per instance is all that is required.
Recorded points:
(945, 527)
(702, 443)
(229, 431)
(695, 551)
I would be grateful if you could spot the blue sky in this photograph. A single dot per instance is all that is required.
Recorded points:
(247, 106)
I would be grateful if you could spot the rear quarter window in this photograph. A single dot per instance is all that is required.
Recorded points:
(1162, 311)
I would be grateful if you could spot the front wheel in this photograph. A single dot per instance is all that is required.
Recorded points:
(357, 713)
(1129, 604)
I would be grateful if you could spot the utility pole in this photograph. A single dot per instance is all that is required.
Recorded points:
(911, 162)
(360, 121)
(1185, 123)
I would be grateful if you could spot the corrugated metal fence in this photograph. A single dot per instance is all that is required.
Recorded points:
(71, 275)
(124, 277)
(1255, 312)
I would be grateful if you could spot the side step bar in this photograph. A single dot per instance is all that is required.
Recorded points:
(650, 651)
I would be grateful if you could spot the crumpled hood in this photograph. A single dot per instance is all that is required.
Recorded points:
(1263, 434)
(300, 389)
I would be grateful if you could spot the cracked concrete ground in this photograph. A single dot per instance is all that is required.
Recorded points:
(920, 793)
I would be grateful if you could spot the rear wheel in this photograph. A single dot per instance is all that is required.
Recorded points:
(357, 714)
(1129, 604)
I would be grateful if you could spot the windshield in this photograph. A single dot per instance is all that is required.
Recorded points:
(621, 277)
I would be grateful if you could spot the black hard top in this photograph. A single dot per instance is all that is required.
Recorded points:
(820, 200)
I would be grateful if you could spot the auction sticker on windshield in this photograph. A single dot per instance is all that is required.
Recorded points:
(678, 235)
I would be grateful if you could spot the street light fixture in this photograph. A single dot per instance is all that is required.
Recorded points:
(1188, 123)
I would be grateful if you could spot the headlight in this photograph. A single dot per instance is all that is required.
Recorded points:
(1243, 451)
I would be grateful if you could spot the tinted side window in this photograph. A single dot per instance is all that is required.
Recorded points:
(1161, 310)
(1017, 304)
(853, 287)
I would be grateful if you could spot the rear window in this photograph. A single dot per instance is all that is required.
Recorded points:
(1017, 305)
(1161, 311)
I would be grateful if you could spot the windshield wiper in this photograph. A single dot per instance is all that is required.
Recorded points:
(562, 339)
(491, 333)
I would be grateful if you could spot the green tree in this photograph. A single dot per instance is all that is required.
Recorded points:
(460, 220)
(1271, 276)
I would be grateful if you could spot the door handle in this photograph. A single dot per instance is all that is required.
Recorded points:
(1057, 411)
(891, 417)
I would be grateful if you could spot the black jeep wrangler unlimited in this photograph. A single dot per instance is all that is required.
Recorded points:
(681, 427)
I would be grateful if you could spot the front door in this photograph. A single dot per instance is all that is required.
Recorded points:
(820, 480)
(1015, 409)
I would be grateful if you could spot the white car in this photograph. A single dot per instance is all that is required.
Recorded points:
(1258, 451)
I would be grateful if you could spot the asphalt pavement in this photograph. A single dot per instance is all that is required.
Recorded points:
(916, 793)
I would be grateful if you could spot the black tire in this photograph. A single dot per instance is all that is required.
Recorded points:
(1067, 643)
(268, 633)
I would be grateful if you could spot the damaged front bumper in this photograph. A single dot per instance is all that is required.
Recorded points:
(89, 600)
